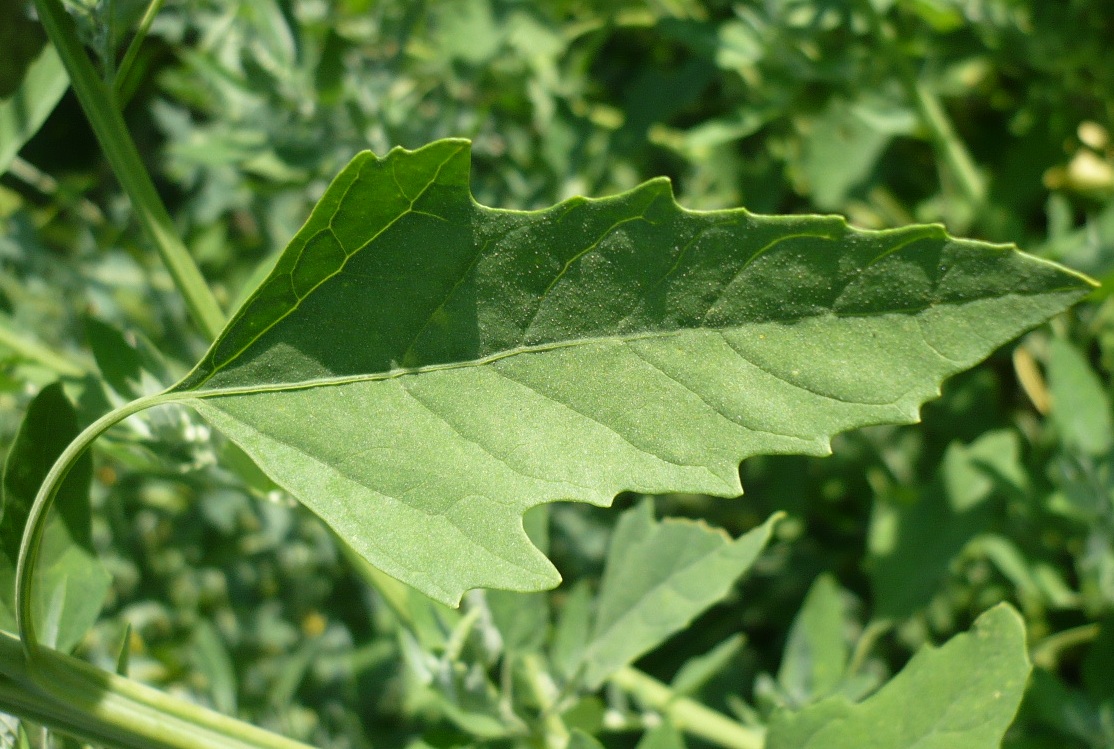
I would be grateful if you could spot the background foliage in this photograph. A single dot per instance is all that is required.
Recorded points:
(991, 116)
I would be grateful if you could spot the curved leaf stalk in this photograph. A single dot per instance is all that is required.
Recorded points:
(98, 103)
(40, 510)
(688, 715)
(76, 698)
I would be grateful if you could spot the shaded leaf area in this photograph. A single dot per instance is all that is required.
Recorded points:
(961, 696)
(816, 652)
(659, 577)
(74, 583)
(419, 369)
(23, 112)
(913, 539)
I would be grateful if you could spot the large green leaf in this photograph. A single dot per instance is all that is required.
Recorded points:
(961, 696)
(419, 369)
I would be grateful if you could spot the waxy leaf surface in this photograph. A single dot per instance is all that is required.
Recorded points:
(419, 369)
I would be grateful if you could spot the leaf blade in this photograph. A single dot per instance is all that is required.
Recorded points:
(486, 348)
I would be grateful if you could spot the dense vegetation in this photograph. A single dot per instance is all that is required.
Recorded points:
(991, 117)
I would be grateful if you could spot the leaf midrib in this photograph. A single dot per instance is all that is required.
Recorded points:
(397, 372)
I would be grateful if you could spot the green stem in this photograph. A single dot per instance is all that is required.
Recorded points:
(950, 149)
(40, 509)
(108, 125)
(133, 48)
(688, 715)
(545, 692)
(1046, 653)
(73, 697)
(871, 633)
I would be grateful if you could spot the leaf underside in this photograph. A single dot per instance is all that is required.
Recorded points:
(419, 369)
(963, 695)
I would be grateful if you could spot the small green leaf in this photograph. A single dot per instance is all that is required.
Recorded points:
(697, 671)
(844, 143)
(659, 577)
(119, 361)
(570, 635)
(24, 112)
(816, 652)
(581, 740)
(961, 696)
(419, 369)
(213, 661)
(1080, 406)
(663, 736)
(74, 582)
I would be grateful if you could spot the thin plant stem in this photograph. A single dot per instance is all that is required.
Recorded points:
(687, 714)
(120, 150)
(132, 51)
(1046, 653)
(40, 510)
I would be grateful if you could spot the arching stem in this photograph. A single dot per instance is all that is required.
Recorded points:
(40, 511)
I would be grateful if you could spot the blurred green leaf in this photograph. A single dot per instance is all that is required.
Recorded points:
(843, 144)
(961, 696)
(659, 577)
(695, 672)
(118, 359)
(1080, 406)
(581, 740)
(664, 736)
(817, 650)
(23, 113)
(913, 537)
(22, 39)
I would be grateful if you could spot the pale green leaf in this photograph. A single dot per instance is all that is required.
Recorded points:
(74, 583)
(659, 577)
(1080, 406)
(419, 369)
(961, 696)
(816, 653)
(570, 633)
(663, 736)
